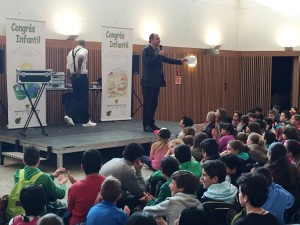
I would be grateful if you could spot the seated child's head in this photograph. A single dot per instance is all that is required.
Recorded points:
(266, 172)
(213, 172)
(210, 148)
(173, 143)
(189, 131)
(169, 165)
(139, 218)
(91, 161)
(233, 164)
(183, 181)
(163, 133)
(183, 153)
(194, 216)
(50, 219)
(31, 156)
(243, 137)
(111, 189)
(188, 140)
(254, 189)
(33, 199)
(133, 152)
(186, 122)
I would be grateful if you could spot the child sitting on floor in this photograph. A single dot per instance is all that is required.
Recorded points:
(106, 212)
(158, 149)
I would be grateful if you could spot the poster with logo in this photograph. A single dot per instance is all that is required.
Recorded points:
(25, 49)
(116, 57)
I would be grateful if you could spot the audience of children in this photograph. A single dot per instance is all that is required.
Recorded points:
(174, 198)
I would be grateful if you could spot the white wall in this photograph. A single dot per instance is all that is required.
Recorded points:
(267, 24)
(241, 25)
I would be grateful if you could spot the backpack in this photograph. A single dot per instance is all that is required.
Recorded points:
(14, 206)
(221, 213)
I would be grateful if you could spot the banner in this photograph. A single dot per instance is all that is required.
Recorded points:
(116, 73)
(25, 49)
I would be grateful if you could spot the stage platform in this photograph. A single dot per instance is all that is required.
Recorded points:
(62, 139)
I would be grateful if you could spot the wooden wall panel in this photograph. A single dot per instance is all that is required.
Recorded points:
(256, 77)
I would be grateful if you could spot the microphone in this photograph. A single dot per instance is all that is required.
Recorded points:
(161, 47)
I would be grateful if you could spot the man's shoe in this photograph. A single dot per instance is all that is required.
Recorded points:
(148, 129)
(154, 127)
(89, 124)
(69, 121)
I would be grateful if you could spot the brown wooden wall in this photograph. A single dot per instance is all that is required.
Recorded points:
(232, 80)
(256, 78)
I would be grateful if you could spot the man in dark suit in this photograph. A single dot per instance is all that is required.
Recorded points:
(153, 78)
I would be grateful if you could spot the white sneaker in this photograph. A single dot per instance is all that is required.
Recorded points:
(69, 121)
(89, 124)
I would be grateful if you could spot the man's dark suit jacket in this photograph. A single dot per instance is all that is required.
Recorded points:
(152, 62)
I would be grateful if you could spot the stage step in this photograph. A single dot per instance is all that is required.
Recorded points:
(17, 155)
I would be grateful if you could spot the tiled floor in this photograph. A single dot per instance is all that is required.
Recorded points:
(71, 162)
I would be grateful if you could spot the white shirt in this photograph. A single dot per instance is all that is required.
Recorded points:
(83, 52)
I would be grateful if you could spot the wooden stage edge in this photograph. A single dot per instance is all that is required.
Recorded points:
(62, 139)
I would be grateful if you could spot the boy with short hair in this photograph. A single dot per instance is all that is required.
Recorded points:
(79, 200)
(213, 180)
(32, 161)
(234, 167)
(106, 212)
(184, 122)
(252, 195)
(129, 171)
(183, 187)
(169, 165)
(183, 154)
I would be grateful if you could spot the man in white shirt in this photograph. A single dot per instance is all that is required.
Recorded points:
(76, 63)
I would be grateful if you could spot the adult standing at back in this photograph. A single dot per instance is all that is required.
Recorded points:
(153, 78)
(77, 64)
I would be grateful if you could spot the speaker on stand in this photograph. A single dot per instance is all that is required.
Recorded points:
(136, 71)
